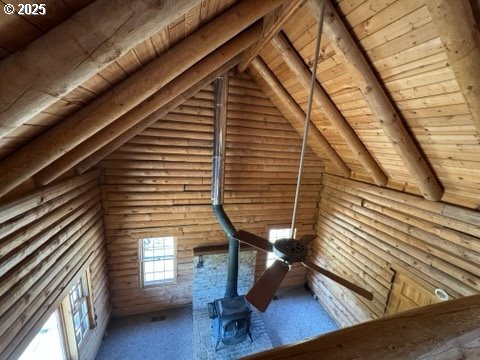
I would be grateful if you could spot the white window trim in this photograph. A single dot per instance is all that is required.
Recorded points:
(141, 263)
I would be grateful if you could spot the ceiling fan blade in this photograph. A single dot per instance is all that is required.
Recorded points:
(355, 288)
(254, 240)
(264, 289)
(307, 239)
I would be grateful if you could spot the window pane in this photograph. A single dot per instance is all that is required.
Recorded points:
(48, 344)
(158, 258)
(148, 266)
(78, 337)
(169, 275)
(76, 320)
(85, 325)
(159, 266)
(78, 301)
(158, 276)
(148, 254)
(84, 309)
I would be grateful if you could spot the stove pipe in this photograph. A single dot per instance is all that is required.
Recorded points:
(218, 175)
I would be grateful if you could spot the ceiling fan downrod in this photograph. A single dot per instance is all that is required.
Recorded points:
(307, 117)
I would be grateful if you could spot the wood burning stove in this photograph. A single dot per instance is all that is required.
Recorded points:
(231, 320)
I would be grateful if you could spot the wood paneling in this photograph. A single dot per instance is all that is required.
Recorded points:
(363, 231)
(399, 40)
(158, 184)
(46, 237)
(19, 31)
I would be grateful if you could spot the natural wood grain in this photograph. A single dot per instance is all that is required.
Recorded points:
(326, 106)
(132, 91)
(74, 51)
(460, 35)
(157, 105)
(379, 103)
(58, 229)
(296, 116)
(272, 24)
(158, 184)
(447, 330)
(436, 242)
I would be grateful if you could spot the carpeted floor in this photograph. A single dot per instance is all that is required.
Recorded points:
(138, 338)
(293, 317)
(296, 316)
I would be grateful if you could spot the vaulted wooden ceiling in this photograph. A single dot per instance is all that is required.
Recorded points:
(428, 141)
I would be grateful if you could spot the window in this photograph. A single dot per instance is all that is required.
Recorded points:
(67, 327)
(79, 308)
(157, 258)
(48, 344)
(273, 235)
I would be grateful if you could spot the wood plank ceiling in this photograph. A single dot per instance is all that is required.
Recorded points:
(399, 40)
(20, 31)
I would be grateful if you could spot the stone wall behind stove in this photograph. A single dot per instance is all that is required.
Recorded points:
(209, 283)
(210, 280)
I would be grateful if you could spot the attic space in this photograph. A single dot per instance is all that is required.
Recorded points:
(223, 179)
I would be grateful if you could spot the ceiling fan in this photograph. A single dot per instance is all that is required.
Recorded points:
(289, 250)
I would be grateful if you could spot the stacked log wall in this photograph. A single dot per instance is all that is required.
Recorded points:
(47, 238)
(158, 184)
(366, 233)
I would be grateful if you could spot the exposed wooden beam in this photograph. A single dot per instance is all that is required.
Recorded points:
(123, 138)
(156, 106)
(447, 330)
(460, 35)
(41, 152)
(379, 102)
(294, 114)
(272, 24)
(325, 104)
(71, 53)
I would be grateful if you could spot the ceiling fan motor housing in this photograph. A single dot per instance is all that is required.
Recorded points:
(290, 250)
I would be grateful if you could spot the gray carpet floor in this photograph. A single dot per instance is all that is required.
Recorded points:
(293, 317)
(137, 337)
(296, 316)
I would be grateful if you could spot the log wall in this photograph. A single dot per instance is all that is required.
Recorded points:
(46, 238)
(158, 184)
(365, 231)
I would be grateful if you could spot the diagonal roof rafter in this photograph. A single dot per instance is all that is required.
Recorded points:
(379, 102)
(327, 107)
(272, 24)
(295, 115)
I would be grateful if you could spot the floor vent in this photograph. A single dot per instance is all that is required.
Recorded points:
(158, 318)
